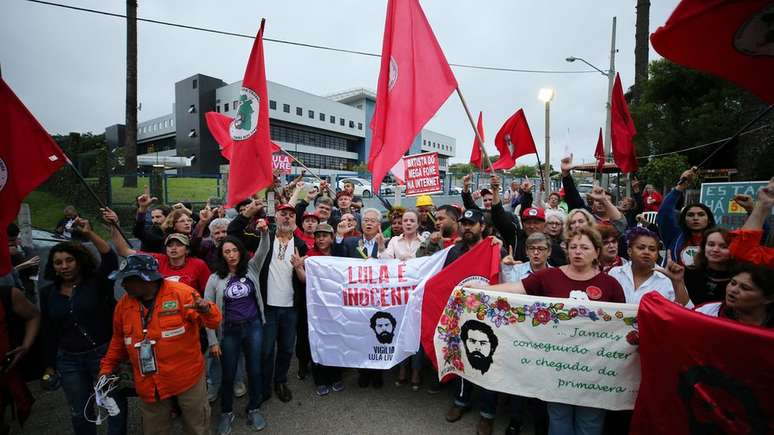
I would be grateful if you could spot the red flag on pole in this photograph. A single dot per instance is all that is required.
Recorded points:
(513, 141)
(475, 153)
(248, 143)
(731, 39)
(599, 152)
(219, 126)
(480, 262)
(622, 131)
(701, 374)
(28, 156)
(414, 81)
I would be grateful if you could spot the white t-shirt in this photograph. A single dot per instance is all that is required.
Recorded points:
(279, 285)
(710, 309)
(657, 282)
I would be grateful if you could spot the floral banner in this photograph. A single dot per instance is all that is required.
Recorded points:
(558, 350)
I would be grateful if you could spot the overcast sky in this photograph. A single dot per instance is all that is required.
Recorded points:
(69, 67)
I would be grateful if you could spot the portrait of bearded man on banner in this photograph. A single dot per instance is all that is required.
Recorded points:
(383, 325)
(480, 344)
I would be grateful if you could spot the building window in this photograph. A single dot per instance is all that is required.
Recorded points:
(286, 108)
(225, 107)
(359, 125)
(171, 122)
(322, 117)
(272, 105)
(235, 104)
(217, 108)
(299, 111)
(311, 114)
(166, 123)
(194, 83)
(341, 121)
(333, 119)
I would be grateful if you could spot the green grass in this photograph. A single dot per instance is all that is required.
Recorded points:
(45, 209)
(179, 189)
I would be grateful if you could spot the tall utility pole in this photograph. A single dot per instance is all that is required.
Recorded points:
(130, 147)
(641, 47)
(608, 122)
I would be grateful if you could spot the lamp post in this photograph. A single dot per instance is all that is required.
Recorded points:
(610, 74)
(546, 95)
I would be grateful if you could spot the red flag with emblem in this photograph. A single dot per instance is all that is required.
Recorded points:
(28, 156)
(478, 267)
(622, 130)
(414, 81)
(599, 153)
(248, 144)
(475, 153)
(513, 141)
(701, 374)
(731, 39)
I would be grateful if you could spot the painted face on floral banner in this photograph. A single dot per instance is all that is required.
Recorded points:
(480, 344)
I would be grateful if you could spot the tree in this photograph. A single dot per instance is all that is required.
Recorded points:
(641, 46)
(524, 171)
(461, 168)
(663, 172)
(680, 108)
(130, 149)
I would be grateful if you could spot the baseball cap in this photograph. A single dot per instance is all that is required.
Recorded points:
(182, 238)
(485, 191)
(324, 228)
(285, 207)
(309, 214)
(533, 213)
(472, 215)
(143, 266)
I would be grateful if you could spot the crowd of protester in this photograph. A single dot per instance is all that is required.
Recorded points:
(212, 305)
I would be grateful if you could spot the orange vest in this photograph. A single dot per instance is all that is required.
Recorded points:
(175, 330)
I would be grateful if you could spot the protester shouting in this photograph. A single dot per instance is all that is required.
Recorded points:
(156, 327)
(235, 289)
(151, 236)
(77, 320)
(446, 231)
(749, 297)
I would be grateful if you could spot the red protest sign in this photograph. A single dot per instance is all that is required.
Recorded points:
(421, 174)
(281, 162)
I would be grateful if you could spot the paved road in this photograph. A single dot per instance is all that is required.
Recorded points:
(391, 410)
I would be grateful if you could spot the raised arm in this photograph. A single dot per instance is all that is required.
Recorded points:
(467, 197)
(500, 219)
(122, 247)
(571, 195)
(256, 262)
(667, 216)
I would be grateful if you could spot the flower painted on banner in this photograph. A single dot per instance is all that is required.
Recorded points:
(619, 315)
(444, 320)
(633, 338)
(472, 302)
(502, 304)
(573, 312)
(542, 316)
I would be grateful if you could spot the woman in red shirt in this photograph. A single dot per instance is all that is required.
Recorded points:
(651, 199)
(580, 279)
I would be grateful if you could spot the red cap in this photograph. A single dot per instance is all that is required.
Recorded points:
(309, 214)
(533, 213)
(285, 207)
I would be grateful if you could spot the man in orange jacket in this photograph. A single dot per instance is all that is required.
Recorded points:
(156, 327)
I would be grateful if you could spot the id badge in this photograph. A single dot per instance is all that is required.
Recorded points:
(147, 357)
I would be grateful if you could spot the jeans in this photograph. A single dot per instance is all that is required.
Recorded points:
(325, 375)
(566, 419)
(215, 372)
(279, 332)
(489, 406)
(248, 338)
(79, 372)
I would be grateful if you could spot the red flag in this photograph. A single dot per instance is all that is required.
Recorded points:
(28, 156)
(414, 81)
(246, 142)
(475, 153)
(482, 262)
(513, 141)
(701, 374)
(599, 152)
(622, 131)
(731, 39)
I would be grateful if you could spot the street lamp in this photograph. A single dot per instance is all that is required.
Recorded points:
(610, 74)
(546, 95)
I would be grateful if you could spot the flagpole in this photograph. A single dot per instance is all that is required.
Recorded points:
(309, 170)
(475, 130)
(94, 195)
(542, 178)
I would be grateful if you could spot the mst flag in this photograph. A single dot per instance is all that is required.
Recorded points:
(414, 81)
(622, 130)
(513, 141)
(475, 153)
(28, 156)
(248, 144)
(220, 126)
(701, 374)
(731, 39)
(365, 313)
(478, 267)
(599, 152)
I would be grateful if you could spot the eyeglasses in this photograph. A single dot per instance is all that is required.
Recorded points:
(540, 249)
(371, 220)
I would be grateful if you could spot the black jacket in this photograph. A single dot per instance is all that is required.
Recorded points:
(299, 288)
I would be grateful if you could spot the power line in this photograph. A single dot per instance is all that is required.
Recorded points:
(301, 44)
(695, 147)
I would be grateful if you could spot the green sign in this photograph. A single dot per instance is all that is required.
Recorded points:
(719, 198)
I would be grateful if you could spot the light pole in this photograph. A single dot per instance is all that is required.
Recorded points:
(610, 74)
(546, 95)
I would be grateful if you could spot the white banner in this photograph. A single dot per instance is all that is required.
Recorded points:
(366, 313)
(558, 350)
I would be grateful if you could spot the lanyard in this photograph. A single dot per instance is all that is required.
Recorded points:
(145, 318)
